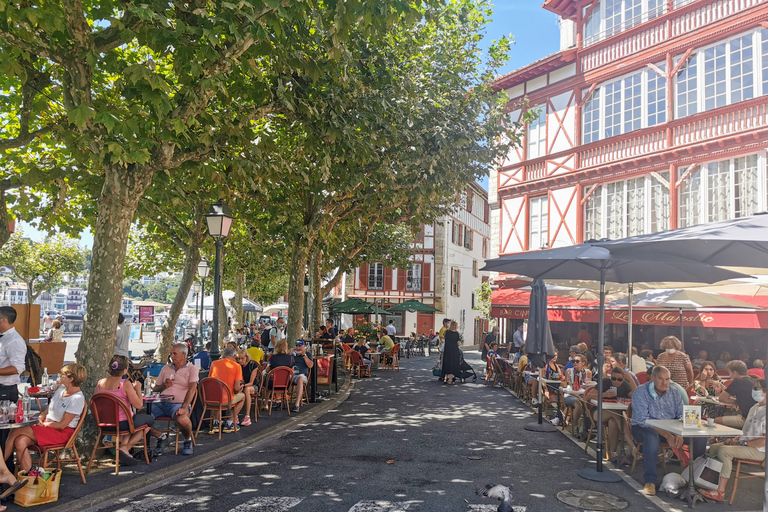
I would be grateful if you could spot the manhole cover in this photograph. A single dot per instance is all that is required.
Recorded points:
(592, 500)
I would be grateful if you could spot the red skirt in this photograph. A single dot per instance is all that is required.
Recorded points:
(49, 436)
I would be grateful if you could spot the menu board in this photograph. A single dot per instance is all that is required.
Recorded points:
(135, 332)
(691, 416)
(146, 314)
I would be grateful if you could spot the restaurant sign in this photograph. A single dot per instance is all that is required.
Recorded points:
(744, 320)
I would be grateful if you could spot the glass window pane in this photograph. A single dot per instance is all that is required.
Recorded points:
(690, 198)
(746, 186)
(686, 88)
(633, 102)
(635, 206)
(594, 215)
(714, 77)
(659, 203)
(657, 97)
(719, 191)
(741, 69)
(613, 109)
(591, 132)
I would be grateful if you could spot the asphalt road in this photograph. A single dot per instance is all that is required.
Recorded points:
(442, 442)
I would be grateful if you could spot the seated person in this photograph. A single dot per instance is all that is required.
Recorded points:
(204, 357)
(647, 354)
(251, 370)
(178, 379)
(255, 353)
(503, 363)
(617, 386)
(620, 361)
(739, 392)
(279, 358)
(758, 369)
(117, 385)
(362, 347)
(55, 425)
(349, 336)
(573, 351)
(325, 338)
(302, 363)
(658, 400)
(708, 384)
(386, 341)
(521, 359)
(751, 444)
(230, 373)
(550, 369)
(577, 377)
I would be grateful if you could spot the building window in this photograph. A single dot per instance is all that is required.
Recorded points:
(537, 135)
(474, 268)
(610, 17)
(456, 233)
(627, 208)
(539, 224)
(413, 278)
(729, 72)
(376, 276)
(467, 238)
(470, 196)
(455, 282)
(485, 248)
(722, 190)
(626, 104)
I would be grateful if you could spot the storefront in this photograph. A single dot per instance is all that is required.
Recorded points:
(732, 330)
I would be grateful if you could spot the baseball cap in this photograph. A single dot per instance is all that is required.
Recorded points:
(300, 343)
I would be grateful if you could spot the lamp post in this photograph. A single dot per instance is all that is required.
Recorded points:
(219, 219)
(306, 305)
(203, 268)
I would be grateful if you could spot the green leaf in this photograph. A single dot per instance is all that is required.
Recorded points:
(80, 115)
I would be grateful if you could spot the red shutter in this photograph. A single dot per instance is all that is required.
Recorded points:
(387, 278)
(426, 276)
(453, 274)
(458, 283)
(486, 211)
(362, 282)
(401, 279)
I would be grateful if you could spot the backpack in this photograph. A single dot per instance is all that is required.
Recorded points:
(265, 337)
(34, 365)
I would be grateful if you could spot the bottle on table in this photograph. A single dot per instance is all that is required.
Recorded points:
(44, 378)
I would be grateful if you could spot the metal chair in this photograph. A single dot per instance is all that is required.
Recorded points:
(57, 449)
(216, 397)
(279, 381)
(106, 413)
(169, 429)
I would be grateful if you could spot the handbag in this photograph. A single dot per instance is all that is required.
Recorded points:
(706, 472)
(38, 491)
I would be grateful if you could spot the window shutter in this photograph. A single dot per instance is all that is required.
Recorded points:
(362, 282)
(426, 277)
(401, 279)
(458, 283)
(387, 278)
(486, 212)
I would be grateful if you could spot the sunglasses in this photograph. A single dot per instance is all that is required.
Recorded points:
(614, 379)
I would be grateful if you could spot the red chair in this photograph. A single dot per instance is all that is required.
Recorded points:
(642, 378)
(279, 381)
(216, 397)
(392, 359)
(357, 363)
(57, 449)
(106, 413)
(169, 429)
(723, 373)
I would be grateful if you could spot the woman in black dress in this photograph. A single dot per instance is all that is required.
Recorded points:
(450, 354)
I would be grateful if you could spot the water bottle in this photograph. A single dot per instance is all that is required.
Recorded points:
(26, 405)
(44, 378)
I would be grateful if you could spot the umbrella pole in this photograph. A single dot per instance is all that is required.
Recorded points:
(597, 474)
(631, 290)
(682, 334)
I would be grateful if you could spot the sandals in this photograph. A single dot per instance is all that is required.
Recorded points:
(12, 489)
(713, 495)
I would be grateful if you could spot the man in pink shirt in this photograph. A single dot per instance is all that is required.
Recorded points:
(178, 378)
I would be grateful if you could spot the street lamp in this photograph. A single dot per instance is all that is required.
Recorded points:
(306, 306)
(219, 219)
(203, 268)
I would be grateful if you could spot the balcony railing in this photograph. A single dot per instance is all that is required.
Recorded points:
(413, 284)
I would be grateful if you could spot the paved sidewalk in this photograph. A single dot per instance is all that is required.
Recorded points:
(103, 485)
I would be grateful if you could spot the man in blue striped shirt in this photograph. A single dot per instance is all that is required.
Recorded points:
(657, 400)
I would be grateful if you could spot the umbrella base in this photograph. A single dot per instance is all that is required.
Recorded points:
(605, 476)
(541, 427)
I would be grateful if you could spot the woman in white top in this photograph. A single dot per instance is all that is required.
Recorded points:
(751, 444)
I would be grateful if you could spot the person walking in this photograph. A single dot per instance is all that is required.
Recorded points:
(450, 354)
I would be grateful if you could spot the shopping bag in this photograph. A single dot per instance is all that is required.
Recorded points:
(38, 491)
(706, 472)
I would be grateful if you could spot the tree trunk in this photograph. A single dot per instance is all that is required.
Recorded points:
(5, 232)
(191, 259)
(238, 315)
(298, 270)
(117, 204)
(315, 285)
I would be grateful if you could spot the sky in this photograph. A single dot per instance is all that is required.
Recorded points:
(536, 35)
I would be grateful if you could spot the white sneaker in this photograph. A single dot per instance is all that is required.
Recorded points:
(534, 402)
(556, 422)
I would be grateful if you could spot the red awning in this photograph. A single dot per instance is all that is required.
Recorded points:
(512, 303)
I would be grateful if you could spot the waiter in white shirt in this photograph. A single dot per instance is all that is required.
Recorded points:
(13, 352)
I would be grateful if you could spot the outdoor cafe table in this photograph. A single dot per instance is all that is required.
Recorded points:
(611, 406)
(676, 427)
(149, 400)
(375, 357)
